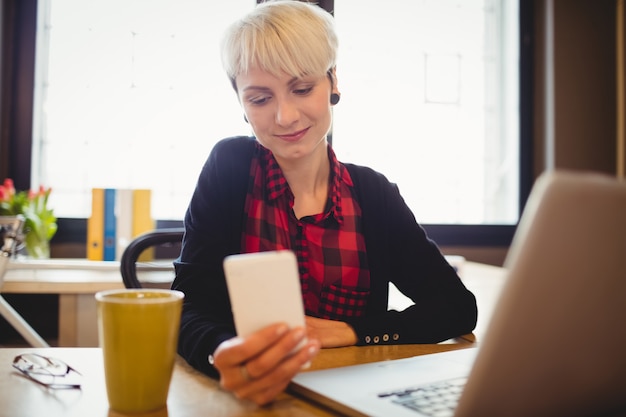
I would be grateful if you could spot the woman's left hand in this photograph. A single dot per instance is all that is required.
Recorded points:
(330, 333)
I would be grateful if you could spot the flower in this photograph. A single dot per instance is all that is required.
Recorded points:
(39, 220)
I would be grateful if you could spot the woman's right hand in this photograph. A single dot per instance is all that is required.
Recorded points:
(260, 366)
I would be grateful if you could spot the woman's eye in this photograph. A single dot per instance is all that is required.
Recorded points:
(257, 101)
(303, 91)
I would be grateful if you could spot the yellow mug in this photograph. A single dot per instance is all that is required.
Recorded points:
(138, 331)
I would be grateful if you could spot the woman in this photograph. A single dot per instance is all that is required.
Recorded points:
(285, 189)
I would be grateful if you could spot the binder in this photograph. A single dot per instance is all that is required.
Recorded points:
(109, 225)
(95, 226)
(142, 218)
(117, 217)
(124, 216)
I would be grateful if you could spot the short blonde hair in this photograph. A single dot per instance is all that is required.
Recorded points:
(281, 36)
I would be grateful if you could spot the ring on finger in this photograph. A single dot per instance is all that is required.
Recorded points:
(244, 373)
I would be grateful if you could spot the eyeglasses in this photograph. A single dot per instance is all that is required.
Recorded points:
(49, 372)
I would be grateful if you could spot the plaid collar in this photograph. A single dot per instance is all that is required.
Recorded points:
(276, 184)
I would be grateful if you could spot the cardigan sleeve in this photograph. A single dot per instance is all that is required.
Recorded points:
(212, 231)
(399, 251)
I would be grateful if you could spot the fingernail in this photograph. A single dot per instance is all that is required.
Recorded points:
(282, 329)
(313, 349)
(298, 333)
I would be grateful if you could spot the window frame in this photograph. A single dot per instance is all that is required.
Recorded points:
(18, 39)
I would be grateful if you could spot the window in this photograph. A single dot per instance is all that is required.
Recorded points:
(135, 92)
(138, 94)
(430, 99)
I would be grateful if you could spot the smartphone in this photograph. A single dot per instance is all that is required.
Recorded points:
(264, 288)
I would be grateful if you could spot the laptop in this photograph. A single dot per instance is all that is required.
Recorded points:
(556, 342)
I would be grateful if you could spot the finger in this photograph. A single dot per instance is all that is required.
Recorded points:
(244, 373)
(231, 355)
(258, 367)
(237, 350)
(274, 355)
(268, 395)
(311, 321)
(267, 387)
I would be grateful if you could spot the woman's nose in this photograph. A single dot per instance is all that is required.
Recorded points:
(286, 113)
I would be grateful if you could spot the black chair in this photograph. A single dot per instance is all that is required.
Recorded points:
(158, 238)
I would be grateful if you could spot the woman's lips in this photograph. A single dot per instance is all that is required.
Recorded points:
(295, 136)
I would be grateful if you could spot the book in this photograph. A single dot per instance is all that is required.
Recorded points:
(110, 225)
(95, 226)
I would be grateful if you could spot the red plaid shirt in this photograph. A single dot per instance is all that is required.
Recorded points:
(330, 246)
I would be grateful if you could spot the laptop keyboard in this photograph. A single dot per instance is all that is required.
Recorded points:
(436, 400)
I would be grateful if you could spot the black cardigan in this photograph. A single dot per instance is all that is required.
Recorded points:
(398, 251)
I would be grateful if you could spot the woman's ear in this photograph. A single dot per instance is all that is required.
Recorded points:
(334, 90)
(332, 76)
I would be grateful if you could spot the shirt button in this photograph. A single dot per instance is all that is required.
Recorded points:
(396, 336)
(368, 339)
(385, 337)
(376, 339)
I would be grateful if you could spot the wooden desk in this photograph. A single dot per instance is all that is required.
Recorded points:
(192, 394)
(76, 282)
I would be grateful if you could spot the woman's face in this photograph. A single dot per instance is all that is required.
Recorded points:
(289, 116)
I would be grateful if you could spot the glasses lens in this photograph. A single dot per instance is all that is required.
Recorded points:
(47, 371)
(42, 365)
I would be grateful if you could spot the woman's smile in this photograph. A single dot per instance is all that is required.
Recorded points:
(293, 137)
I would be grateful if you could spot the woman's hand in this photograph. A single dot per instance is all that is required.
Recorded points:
(261, 365)
(330, 333)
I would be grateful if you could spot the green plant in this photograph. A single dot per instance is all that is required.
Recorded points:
(39, 220)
